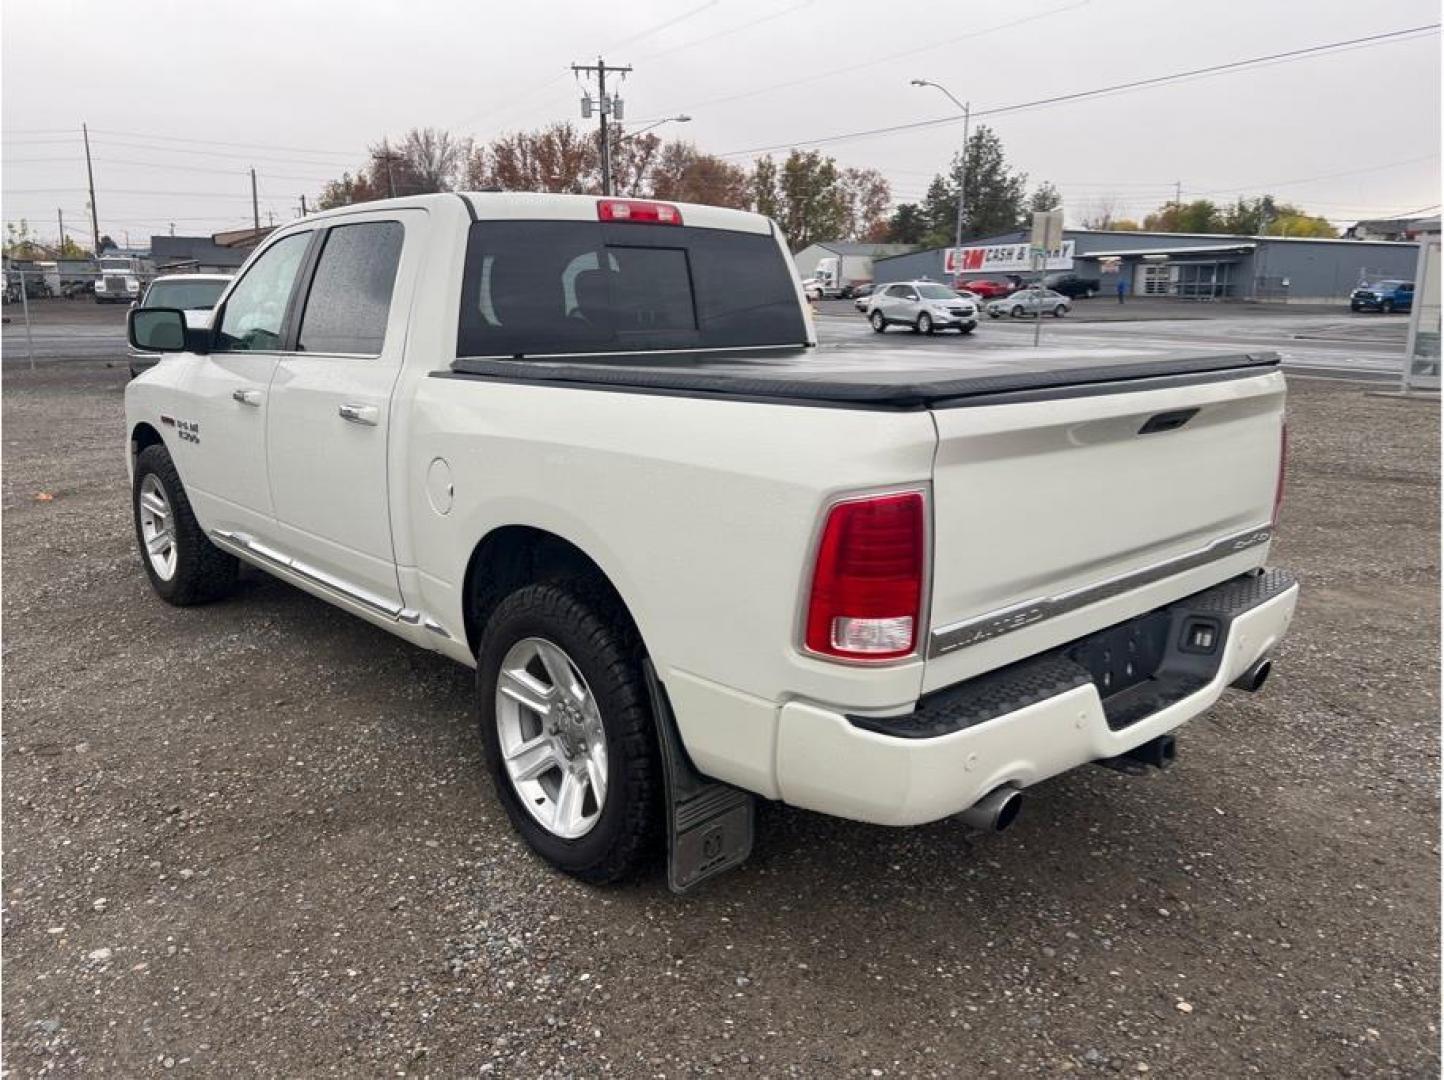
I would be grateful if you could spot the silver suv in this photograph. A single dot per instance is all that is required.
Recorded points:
(923, 305)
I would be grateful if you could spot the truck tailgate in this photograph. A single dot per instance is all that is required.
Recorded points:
(1056, 517)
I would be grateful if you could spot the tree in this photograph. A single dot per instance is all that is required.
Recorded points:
(1264, 215)
(866, 194)
(995, 192)
(1045, 197)
(434, 158)
(766, 188)
(1199, 216)
(682, 174)
(1125, 225)
(20, 242)
(908, 225)
(813, 206)
(1295, 222)
(556, 158)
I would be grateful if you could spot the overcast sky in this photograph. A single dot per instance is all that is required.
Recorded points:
(298, 89)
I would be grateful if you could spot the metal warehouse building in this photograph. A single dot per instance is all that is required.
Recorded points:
(1204, 266)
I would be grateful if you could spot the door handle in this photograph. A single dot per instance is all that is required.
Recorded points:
(247, 397)
(360, 414)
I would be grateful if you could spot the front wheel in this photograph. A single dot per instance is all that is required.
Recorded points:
(567, 731)
(1017, 311)
(925, 323)
(1387, 307)
(878, 322)
(1060, 311)
(184, 567)
(967, 328)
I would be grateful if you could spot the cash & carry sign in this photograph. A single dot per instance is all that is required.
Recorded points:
(1004, 258)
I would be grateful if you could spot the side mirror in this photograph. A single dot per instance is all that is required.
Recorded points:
(157, 329)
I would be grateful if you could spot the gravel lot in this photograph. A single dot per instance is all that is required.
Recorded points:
(256, 838)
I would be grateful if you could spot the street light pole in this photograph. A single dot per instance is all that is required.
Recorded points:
(683, 119)
(963, 174)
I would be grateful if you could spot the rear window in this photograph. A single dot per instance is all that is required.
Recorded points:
(545, 287)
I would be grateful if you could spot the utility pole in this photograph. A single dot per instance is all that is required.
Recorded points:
(60, 220)
(90, 176)
(303, 205)
(255, 204)
(605, 107)
(1178, 193)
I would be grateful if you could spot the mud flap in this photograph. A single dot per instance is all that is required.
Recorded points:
(709, 823)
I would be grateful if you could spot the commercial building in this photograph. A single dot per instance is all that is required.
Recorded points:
(1203, 266)
(808, 258)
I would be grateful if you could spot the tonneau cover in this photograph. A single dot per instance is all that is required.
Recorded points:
(898, 378)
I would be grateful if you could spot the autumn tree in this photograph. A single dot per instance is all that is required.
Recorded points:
(682, 174)
(866, 195)
(556, 158)
(1199, 216)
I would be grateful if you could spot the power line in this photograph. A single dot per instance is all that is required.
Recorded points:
(1136, 84)
(218, 142)
(849, 68)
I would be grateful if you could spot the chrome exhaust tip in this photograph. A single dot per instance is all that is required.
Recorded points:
(995, 811)
(1253, 679)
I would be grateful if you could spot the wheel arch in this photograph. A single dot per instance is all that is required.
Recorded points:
(510, 556)
(142, 435)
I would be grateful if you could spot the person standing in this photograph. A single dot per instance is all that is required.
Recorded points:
(1122, 287)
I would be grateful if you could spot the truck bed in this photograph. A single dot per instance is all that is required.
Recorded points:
(887, 379)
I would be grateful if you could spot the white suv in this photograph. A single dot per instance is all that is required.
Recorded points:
(923, 305)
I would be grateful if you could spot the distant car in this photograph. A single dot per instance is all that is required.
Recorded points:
(1385, 296)
(923, 305)
(1075, 286)
(195, 294)
(987, 289)
(853, 289)
(1033, 301)
(861, 295)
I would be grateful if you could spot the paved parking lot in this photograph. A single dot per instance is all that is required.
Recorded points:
(256, 838)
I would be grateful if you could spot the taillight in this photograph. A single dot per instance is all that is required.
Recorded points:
(1283, 468)
(656, 213)
(867, 586)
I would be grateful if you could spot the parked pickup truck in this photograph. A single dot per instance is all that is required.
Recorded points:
(590, 447)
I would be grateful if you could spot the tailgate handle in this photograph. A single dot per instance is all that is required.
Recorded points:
(1167, 421)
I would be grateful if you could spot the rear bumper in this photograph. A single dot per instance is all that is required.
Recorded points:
(1023, 724)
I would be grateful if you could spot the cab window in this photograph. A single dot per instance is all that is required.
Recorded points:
(350, 297)
(255, 313)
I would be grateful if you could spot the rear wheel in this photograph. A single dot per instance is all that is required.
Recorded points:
(184, 567)
(925, 323)
(1060, 311)
(878, 322)
(1017, 311)
(567, 731)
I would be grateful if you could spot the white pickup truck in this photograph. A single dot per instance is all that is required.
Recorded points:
(590, 447)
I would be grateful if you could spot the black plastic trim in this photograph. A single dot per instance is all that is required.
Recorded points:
(1178, 673)
(793, 384)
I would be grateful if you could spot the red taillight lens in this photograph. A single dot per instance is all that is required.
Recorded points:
(1283, 468)
(656, 213)
(867, 586)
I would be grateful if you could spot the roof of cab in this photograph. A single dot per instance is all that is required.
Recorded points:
(546, 206)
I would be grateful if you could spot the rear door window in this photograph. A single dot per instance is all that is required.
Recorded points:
(350, 297)
(547, 287)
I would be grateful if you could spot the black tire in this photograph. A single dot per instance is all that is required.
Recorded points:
(607, 652)
(1387, 307)
(925, 324)
(1017, 311)
(203, 572)
(1060, 311)
(1355, 307)
(994, 314)
(878, 320)
(967, 328)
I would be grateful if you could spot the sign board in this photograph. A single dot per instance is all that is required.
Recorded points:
(1421, 355)
(1047, 229)
(1005, 258)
